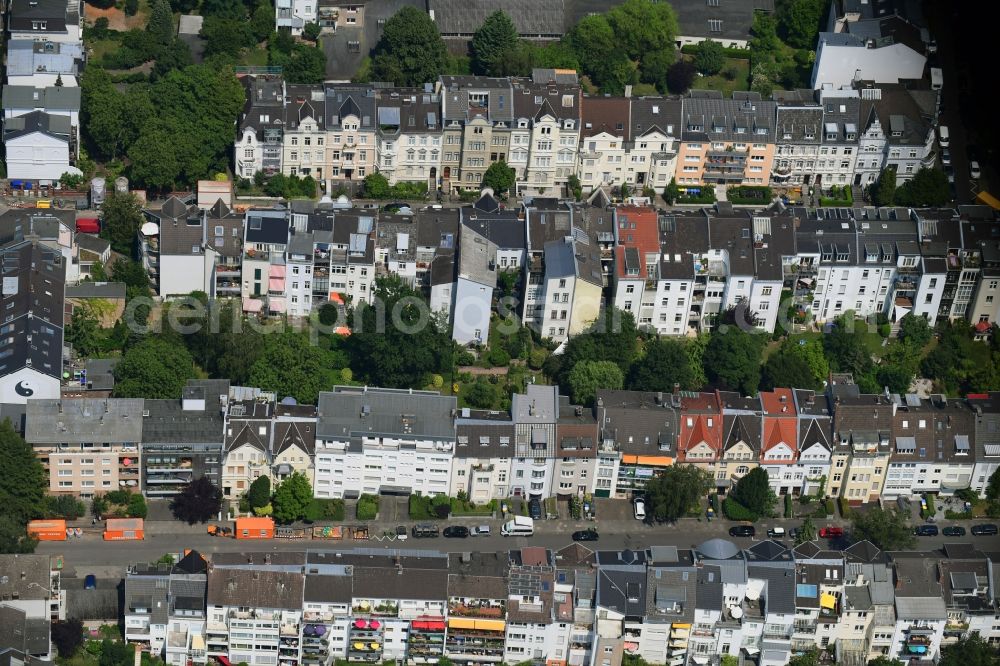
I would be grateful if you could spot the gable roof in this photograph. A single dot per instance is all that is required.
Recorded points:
(294, 433)
(53, 125)
(532, 18)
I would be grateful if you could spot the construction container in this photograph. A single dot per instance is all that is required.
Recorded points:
(124, 529)
(252, 527)
(88, 225)
(47, 530)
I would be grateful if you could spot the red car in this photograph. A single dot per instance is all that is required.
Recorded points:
(831, 532)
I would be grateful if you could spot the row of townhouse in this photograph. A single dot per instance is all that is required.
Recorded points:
(572, 606)
(448, 133)
(675, 271)
(41, 98)
(365, 440)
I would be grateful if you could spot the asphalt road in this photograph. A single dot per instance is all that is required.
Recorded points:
(90, 551)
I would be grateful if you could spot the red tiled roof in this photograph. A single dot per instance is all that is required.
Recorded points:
(637, 228)
(778, 402)
(779, 431)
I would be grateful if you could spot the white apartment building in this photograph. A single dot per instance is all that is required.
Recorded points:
(409, 136)
(481, 467)
(838, 151)
(797, 137)
(372, 440)
(547, 124)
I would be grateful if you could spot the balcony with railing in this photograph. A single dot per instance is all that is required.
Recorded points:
(482, 608)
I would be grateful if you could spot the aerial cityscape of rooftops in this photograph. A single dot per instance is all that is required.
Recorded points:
(513, 332)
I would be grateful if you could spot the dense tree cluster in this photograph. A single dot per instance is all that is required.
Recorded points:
(174, 131)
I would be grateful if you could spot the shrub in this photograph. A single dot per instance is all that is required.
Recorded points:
(845, 508)
(117, 497)
(705, 195)
(958, 515)
(736, 511)
(749, 195)
(137, 506)
(498, 357)
(420, 507)
(465, 357)
(367, 507)
(828, 507)
(64, 506)
(789, 512)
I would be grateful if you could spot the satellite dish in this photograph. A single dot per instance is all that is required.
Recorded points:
(736, 612)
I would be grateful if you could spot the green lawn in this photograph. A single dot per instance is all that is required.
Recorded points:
(735, 75)
(101, 47)
(255, 57)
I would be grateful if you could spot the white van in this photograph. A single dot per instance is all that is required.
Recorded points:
(943, 136)
(937, 78)
(519, 526)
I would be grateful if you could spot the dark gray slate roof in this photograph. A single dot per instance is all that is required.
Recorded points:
(255, 588)
(106, 420)
(348, 412)
(532, 18)
(37, 121)
(739, 120)
(34, 276)
(53, 98)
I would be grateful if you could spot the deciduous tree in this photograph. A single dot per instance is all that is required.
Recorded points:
(886, 528)
(291, 498)
(22, 479)
(665, 363)
(410, 51)
(500, 177)
(587, 377)
(493, 43)
(200, 500)
(156, 367)
(754, 493)
(672, 493)
(680, 77)
(67, 635)
(709, 57)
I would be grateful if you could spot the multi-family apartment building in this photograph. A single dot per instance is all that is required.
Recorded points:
(726, 141)
(797, 136)
(477, 115)
(838, 150)
(371, 440)
(638, 438)
(31, 599)
(545, 133)
(88, 446)
(409, 136)
(481, 467)
(165, 609)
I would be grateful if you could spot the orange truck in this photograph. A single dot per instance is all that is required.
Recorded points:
(47, 530)
(252, 527)
(124, 529)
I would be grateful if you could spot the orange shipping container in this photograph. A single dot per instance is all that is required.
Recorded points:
(48, 530)
(254, 528)
(124, 529)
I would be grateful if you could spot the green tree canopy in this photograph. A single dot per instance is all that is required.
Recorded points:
(612, 337)
(709, 57)
(885, 528)
(672, 494)
(927, 187)
(82, 331)
(398, 356)
(198, 501)
(289, 365)
(970, 651)
(121, 219)
(845, 346)
(291, 498)
(156, 367)
(809, 658)
(795, 364)
(733, 359)
(883, 192)
(914, 330)
(259, 493)
(161, 22)
(14, 537)
(643, 26)
(492, 44)
(500, 177)
(885, 661)
(22, 478)
(680, 77)
(262, 20)
(481, 394)
(754, 493)
(655, 68)
(226, 36)
(376, 186)
(800, 21)
(410, 51)
(302, 64)
(665, 363)
(807, 531)
(587, 377)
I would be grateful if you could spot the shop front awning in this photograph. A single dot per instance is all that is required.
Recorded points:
(461, 623)
(276, 284)
(277, 304)
(277, 271)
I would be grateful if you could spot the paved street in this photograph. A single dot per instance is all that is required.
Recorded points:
(164, 537)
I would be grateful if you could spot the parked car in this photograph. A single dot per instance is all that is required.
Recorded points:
(456, 532)
(776, 533)
(953, 531)
(831, 532)
(984, 530)
(794, 533)
(945, 157)
(926, 530)
(639, 506)
(481, 530)
(401, 533)
(535, 508)
(585, 535)
(974, 171)
(742, 531)
(90, 582)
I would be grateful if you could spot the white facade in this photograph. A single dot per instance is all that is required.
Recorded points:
(298, 286)
(425, 468)
(601, 161)
(182, 274)
(37, 156)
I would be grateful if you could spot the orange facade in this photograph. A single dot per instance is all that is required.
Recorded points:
(254, 528)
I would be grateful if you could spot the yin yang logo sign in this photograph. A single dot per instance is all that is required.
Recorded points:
(24, 389)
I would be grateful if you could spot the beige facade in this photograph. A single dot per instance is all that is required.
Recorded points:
(740, 163)
(243, 465)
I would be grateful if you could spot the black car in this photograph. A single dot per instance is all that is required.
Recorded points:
(742, 531)
(456, 532)
(535, 509)
(953, 531)
(926, 530)
(984, 530)
(585, 535)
